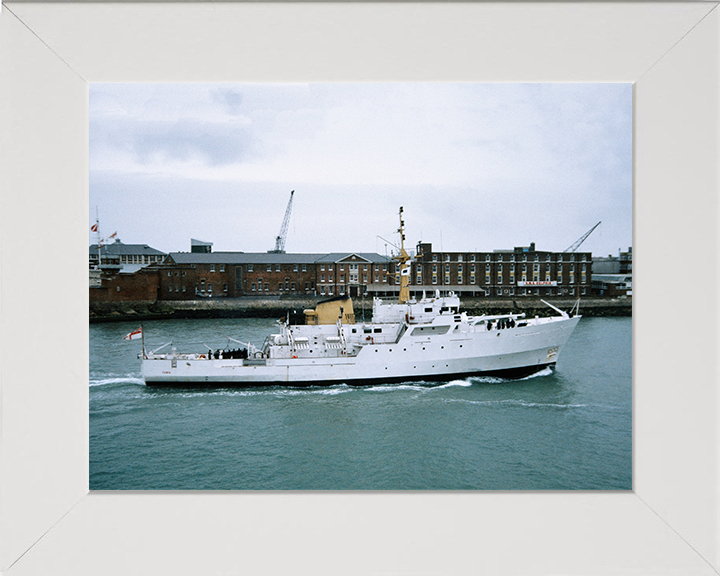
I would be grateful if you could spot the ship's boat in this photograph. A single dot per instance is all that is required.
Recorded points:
(429, 339)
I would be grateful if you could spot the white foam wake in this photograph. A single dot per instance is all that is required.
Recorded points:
(126, 379)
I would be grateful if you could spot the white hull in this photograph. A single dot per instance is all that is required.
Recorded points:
(440, 349)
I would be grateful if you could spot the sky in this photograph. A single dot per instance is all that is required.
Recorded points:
(476, 167)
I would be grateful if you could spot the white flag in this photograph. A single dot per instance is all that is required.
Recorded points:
(134, 335)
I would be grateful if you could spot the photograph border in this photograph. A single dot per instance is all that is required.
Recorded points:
(668, 524)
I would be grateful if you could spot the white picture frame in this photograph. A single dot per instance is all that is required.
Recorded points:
(49, 523)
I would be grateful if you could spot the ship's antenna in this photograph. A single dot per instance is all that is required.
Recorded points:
(402, 259)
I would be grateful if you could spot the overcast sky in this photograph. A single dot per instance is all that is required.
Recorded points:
(475, 166)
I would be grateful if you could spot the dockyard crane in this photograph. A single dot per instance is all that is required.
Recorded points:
(573, 247)
(280, 240)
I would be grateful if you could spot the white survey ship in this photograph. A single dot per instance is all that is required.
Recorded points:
(429, 339)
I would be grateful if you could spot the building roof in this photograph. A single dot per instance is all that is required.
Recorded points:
(372, 257)
(194, 242)
(270, 258)
(117, 248)
(612, 278)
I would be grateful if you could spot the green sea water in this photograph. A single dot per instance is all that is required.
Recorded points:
(563, 429)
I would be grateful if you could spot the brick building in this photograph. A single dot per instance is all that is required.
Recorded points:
(143, 285)
(523, 271)
(187, 275)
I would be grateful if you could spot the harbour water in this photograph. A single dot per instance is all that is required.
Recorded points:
(567, 429)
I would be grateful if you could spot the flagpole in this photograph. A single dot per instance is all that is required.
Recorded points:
(142, 335)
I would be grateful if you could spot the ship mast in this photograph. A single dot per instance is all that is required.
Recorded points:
(402, 259)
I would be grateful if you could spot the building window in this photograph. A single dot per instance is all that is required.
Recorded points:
(280, 286)
(524, 258)
(267, 286)
(342, 277)
(499, 291)
(487, 267)
(460, 269)
(277, 267)
(447, 279)
(377, 267)
(252, 287)
(364, 278)
(225, 288)
(209, 287)
(460, 279)
(322, 290)
(559, 279)
(330, 267)
(487, 257)
(487, 279)
(499, 280)
(472, 278)
(250, 267)
(322, 267)
(212, 267)
(304, 267)
(434, 279)
(322, 278)
(460, 258)
(295, 268)
(202, 285)
(512, 278)
(222, 267)
(434, 257)
(292, 286)
(500, 258)
(269, 267)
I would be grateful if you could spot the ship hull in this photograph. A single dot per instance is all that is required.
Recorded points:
(511, 353)
(508, 373)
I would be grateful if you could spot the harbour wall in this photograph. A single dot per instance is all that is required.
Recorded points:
(278, 307)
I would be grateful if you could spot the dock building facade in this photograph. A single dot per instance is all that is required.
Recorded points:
(522, 271)
(187, 276)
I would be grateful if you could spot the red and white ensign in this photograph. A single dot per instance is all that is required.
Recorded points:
(134, 335)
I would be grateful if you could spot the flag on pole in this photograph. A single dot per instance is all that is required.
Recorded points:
(94, 227)
(112, 235)
(134, 335)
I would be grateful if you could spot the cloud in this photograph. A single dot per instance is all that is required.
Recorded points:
(488, 165)
(187, 139)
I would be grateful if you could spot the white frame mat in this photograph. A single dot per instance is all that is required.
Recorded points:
(49, 523)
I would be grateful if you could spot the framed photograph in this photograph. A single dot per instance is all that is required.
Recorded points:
(51, 53)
